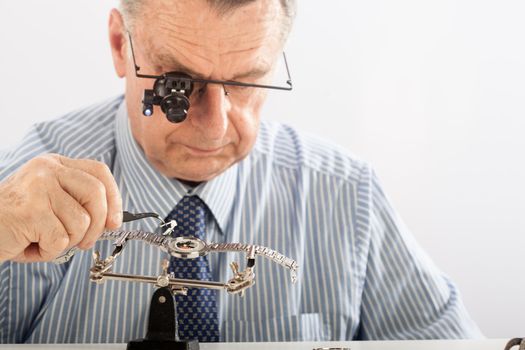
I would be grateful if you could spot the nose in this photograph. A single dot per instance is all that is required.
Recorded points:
(208, 111)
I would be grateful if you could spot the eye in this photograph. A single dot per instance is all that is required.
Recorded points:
(199, 87)
(239, 90)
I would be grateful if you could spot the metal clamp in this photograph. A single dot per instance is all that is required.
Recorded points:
(182, 248)
(519, 342)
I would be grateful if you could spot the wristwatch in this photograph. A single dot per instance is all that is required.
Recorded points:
(191, 248)
(182, 247)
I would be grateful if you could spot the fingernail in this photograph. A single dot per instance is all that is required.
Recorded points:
(117, 218)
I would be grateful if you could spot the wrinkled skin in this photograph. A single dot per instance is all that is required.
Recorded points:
(53, 202)
(241, 45)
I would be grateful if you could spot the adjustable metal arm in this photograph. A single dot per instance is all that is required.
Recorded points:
(187, 248)
(183, 248)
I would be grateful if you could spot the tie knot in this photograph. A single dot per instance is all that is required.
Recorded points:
(190, 214)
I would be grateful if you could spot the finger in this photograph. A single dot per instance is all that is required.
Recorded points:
(28, 255)
(51, 242)
(7, 253)
(73, 216)
(12, 243)
(102, 172)
(90, 193)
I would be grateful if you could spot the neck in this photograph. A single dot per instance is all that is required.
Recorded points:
(191, 184)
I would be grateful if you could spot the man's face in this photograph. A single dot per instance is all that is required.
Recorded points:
(191, 37)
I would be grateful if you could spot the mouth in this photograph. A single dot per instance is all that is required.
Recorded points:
(203, 151)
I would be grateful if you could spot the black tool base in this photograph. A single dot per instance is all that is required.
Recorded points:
(162, 326)
(145, 344)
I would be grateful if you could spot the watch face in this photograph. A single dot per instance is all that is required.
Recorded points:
(187, 247)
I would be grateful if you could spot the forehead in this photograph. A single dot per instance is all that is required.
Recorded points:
(209, 42)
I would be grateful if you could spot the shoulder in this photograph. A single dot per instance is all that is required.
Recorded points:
(83, 133)
(286, 147)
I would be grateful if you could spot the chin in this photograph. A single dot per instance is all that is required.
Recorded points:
(194, 177)
(204, 170)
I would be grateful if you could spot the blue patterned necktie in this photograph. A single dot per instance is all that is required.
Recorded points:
(196, 312)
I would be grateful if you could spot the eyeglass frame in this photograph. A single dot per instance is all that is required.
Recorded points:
(215, 81)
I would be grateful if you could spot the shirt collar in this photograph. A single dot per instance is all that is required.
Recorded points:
(151, 191)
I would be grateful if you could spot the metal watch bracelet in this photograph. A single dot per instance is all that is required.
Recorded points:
(190, 247)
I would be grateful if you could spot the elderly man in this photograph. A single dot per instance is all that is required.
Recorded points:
(362, 276)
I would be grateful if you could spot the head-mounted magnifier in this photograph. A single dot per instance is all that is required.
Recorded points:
(171, 91)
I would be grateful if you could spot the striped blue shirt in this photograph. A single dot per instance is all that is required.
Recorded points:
(362, 275)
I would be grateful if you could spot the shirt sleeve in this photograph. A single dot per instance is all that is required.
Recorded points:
(24, 288)
(405, 296)
(30, 147)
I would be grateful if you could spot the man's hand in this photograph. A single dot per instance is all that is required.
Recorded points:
(53, 203)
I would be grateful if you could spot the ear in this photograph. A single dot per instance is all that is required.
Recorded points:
(118, 42)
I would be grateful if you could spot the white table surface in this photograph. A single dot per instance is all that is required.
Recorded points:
(490, 344)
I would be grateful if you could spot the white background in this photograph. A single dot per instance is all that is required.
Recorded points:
(431, 92)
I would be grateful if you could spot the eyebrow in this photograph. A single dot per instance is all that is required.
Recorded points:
(170, 62)
(165, 61)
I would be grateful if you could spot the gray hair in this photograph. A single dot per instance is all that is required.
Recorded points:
(131, 8)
